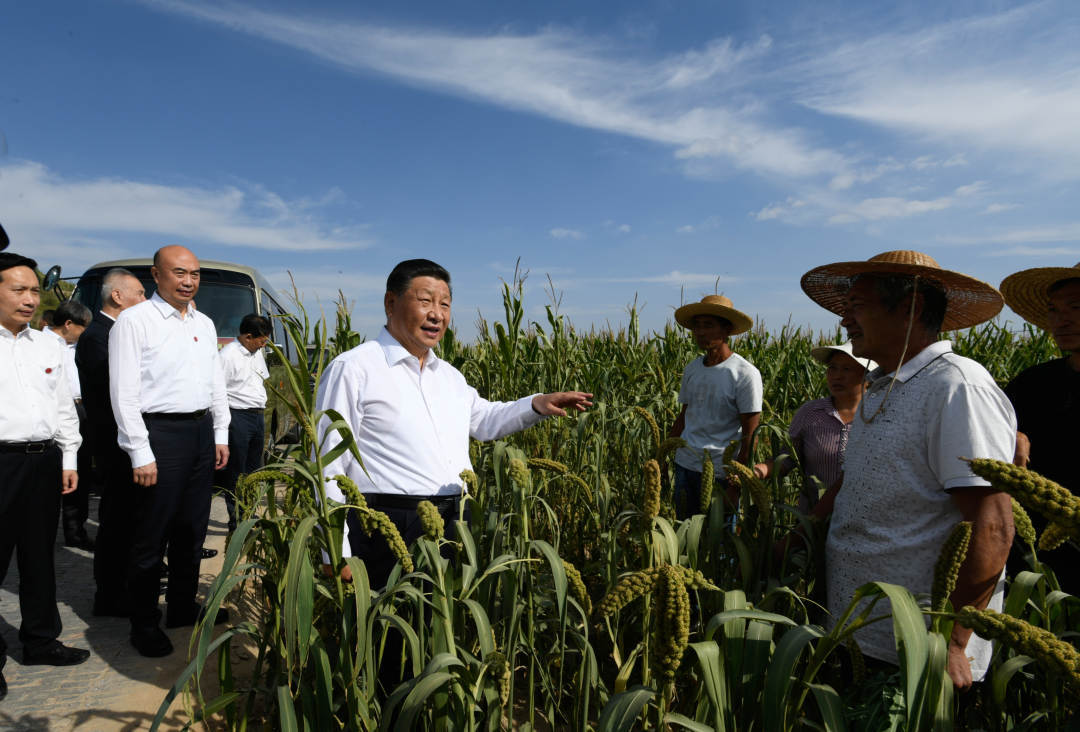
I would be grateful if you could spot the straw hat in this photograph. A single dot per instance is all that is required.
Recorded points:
(821, 354)
(719, 306)
(968, 301)
(1027, 291)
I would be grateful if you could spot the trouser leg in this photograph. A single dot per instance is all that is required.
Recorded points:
(187, 531)
(241, 435)
(117, 519)
(31, 508)
(687, 493)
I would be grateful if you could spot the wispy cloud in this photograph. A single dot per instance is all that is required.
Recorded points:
(1042, 252)
(594, 83)
(778, 210)
(895, 207)
(1060, 233)
(566, 234)
(66, 217)
(994, 208)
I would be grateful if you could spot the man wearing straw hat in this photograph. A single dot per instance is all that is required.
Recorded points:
(721, 398)
(905, 486)
(1047, 396)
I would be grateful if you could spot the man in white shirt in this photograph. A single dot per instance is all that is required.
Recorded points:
(412, 413)
(721, 397)
(70, 320)
(39, 442)
(172, 417)
(120, 289)
(905, 485)
(245, 371)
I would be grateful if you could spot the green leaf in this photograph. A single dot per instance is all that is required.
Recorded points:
(286, 711)
(778, 678)
(622, 710)
(832, 709)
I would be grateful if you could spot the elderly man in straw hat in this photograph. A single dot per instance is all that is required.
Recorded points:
(905, 486)
(1047, 396)
(721, 398)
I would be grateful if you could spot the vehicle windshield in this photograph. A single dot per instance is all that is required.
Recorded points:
(225, 297)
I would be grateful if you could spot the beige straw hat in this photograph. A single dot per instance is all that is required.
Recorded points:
(821, 354)
(719, 306)
(968, 301)
(1027, 291)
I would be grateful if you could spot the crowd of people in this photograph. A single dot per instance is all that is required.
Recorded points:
(143, 385)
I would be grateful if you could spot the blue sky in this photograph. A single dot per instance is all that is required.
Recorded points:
(659, 149)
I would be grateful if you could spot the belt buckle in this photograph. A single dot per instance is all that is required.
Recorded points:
(35, 448)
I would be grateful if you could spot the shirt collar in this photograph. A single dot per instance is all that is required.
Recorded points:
(396, 353)
(917, 363)
(24, 332)
(167, 310)
(54, 334)
(107, 315)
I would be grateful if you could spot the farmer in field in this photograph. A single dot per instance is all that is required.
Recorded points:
(1047, 396)
(412, 414)
(905, 486)
(721, 398)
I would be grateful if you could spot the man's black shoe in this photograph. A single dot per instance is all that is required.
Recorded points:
(111, 608)
(79, 539)
(56, 654)
(209, 553)
(151, 642)
(3, 686)
(190, 618)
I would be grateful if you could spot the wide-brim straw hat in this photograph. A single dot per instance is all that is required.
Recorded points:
(821, 354)
(719, 306)
(968, 301)
(1028, 291)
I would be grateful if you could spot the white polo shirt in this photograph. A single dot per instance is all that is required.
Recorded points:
(245, 373)
(894, 512)
(412, 425)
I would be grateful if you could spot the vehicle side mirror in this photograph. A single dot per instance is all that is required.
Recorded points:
(52, 279)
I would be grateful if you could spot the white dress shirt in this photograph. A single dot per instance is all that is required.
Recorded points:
(160, 362)
(69, 363)
(35, 400)
(411, 425)
(245, 373)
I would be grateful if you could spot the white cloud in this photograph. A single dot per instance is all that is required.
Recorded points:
(623, 228)
(994, 208)
(1044, 252)
(778, 210)
(675, 277)
(896, 207)
(566, 234)
(687, 229)
(78, 220)
(1061, 233)
(564, 76)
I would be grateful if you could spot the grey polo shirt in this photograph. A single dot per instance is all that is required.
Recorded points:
(894, 512)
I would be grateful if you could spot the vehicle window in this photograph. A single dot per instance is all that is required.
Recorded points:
(274, 311)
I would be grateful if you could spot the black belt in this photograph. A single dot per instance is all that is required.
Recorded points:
(177, 416)
(247, 409)
(28, 448)
(392, 500)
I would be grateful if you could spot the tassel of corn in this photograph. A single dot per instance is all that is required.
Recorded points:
(707, 480)
(651, 506)
(431, 521)
(1024, 528)
(500, 671)
(519, 473)
(746, 479)
(1055, 654)
(577, 586)
(668, 446)
(472, 483)
(947, 568)
(671, 623)
(1053, 536)
(1053, 501)
(626, 590)
(654, 428)
(858, 661)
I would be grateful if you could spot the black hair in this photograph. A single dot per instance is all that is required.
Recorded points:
(894, 288)
(74, 311)
(405, 272)
(1061, 284)
(10, 260)
(47, 316)
(256, 325)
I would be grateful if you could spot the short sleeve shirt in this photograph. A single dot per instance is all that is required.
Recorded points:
(894, 512)
(715, 396)
(821, 437)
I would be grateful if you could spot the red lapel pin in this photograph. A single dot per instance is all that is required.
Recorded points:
(48, 371)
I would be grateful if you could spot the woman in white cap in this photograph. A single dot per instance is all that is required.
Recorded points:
(819, 430)
(721, 397)
(1046, 396)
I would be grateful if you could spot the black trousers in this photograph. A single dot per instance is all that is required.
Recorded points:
(29, 509)
(77, 503)
(116, 516)
(173, 513)
(247, 438)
